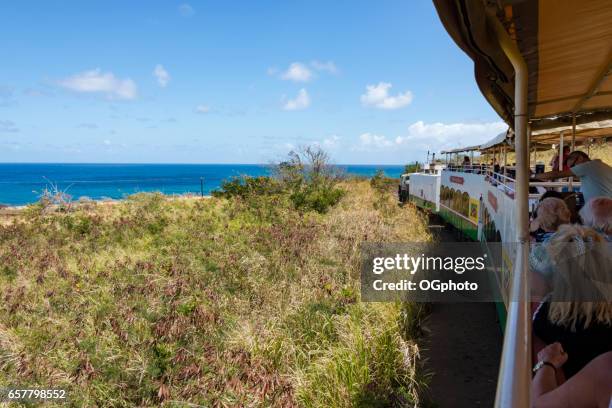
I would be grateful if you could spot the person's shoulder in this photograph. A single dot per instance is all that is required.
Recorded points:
(603, 164)
(588, 167)
(600, 166)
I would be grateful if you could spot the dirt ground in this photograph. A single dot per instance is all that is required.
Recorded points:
(462, 350)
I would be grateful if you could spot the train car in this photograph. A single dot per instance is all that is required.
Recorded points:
(544, 67)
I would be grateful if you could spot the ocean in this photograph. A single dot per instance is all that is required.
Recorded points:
(22, 183)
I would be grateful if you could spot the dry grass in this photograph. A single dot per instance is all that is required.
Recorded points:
(211, 302)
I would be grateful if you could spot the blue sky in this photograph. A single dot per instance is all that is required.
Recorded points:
(232, 82)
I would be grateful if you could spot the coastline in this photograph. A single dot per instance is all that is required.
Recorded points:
(23, 184)
(9, 210)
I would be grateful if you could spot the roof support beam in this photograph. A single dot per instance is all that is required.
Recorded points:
(561, 147)
(567, 98)
(599, 79)
(573, 131)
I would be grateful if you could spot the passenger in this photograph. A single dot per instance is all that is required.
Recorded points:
(466, 164)
(554, 163)
(595, 175)
(597, 214)
(551, 213)
(577, 312)
(589, 388)
(551, 193)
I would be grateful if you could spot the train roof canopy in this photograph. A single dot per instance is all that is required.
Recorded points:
(461, 149)
(503, 138)
(499, 140)
(585, 132)
(566, 44)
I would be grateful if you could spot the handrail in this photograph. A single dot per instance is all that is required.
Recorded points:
(467, 168)
(554, 184)
(507, 183)
(498, 179)
(514, 381)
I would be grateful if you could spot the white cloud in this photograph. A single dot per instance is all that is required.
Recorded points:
(107, 142)
(186, 10)
(163, 77)
(301, 101)
(96, 81)
(378, 96)
(371, 140)
(434, 137)
(331, 141)
(297, 72)
(300, 72)
(202, 109)
(441, 136)
(328, 66)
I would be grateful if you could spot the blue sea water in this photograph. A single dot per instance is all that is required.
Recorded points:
(22, 183)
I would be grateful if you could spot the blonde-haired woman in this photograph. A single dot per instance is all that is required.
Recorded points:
(551, 213)
(572, 326)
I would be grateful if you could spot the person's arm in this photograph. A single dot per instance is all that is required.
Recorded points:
(545, 379)
(537, 344)
(590, 387)
(554, 175)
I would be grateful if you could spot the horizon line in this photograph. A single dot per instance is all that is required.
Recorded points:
(199, 164)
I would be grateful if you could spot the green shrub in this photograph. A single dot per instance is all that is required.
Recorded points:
(316, 198)
(381, 183)
(412, 167)
(306, 179)
(245, 186)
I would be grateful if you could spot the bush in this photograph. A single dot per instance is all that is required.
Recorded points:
(310, 179)
(412, 167)
(381, 183)
(52, 197)
(306, 178)
(245, 186)
(383, 186)
(316, 198)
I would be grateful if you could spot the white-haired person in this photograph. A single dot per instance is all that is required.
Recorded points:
(597, 214)
(572, 326)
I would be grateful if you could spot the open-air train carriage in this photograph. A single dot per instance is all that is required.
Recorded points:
(544, 66)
